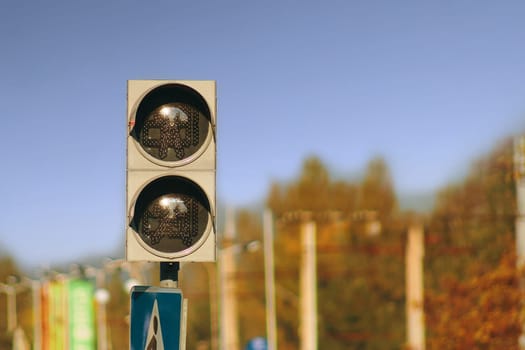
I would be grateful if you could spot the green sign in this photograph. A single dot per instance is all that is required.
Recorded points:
(81, 315)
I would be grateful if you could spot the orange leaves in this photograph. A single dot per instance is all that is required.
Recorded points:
(479, 313)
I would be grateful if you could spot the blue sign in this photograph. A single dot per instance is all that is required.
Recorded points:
(156, 318)
(258, 343)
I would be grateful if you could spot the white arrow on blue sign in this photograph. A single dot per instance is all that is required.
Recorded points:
(156, 318)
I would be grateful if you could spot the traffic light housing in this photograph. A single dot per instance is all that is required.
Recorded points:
(170, 187)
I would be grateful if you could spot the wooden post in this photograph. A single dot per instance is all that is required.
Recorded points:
(414, 288)
(308, 312)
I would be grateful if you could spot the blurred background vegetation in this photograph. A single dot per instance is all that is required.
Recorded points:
(472, 298)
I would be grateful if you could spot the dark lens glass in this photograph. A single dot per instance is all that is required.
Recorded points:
(173, 222)
(173, 132)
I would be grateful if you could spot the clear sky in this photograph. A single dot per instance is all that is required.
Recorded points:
(429, 85)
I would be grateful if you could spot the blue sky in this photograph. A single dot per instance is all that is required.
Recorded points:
(429, 85)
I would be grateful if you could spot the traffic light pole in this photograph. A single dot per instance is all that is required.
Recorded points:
(169, 274)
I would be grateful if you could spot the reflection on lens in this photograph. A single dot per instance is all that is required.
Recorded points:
(173, 222)
(173, 205)
(173, 132)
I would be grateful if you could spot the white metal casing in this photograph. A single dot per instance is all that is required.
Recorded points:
(142, 169)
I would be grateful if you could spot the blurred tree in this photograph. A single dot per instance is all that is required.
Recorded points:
(8, 268)
(481, 312)
(469, 272)
(360, 284)
(474, 218)
(376, 191)
(310, 192)
(118, 311)
(471, 290)
(250, 276)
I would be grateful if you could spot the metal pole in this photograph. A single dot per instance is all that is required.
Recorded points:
(169, 274)
(45, 315)
(37, 315)
(101, 297)
(211, 269)
(308, 287)
(519, 176)
(414, 288)
(229, 333)
(11, 308)
(269, 276)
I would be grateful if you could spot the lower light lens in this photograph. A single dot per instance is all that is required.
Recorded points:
(171, 215)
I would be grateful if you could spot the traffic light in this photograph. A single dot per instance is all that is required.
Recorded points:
(170, 188)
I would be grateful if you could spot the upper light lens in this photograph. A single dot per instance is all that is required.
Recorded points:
(173, 132)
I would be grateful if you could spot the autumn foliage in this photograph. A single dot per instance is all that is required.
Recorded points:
(481, 312)
(473, 296)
